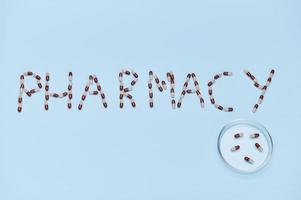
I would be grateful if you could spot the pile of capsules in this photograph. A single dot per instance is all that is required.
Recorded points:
(256, 145)
(24, 90)
(124, 91)
(210, 91)
(263, 88)
(197, 90)
(93, 79)
(58, 95)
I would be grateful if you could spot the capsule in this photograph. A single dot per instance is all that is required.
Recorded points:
(235, 148)
(28, 93)
(258, 85)
(70, 76)
(69, 105)
(93, 92)
(202, 102)
(133, 103)
(54, 95)
(254, 135)
(127, 72)
(248, 160)
(105, 104)
(133, 82)
(98, 87)
(32, 91)
(217, 76)
(172, 92)
(210, 83)
(227, 73)
(238, 135)
(255, 108)
(37, 77)
(28, 73)
(19, 108)
(258, 147)
(219, 107)
(210, 92)
(121, 104)
(103, 96)
(173, 104)
(228, 109)
(40, 84)
(151, 103)
(135, 74)
(164, 85)
(261, 97)
(120, 76)
(190, 91)
(87, 88)
(80, 106)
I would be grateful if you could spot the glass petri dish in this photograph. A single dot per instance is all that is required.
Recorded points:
(259, 157)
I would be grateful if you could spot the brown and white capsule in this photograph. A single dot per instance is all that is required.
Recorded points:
(261, 97)
(238, 135)
(254, 135)
(70, 76)
(248, 160)
(235, 148)
(46, 105)
(151, 103)
(55, 95)
(219, 107)
(228, 109)
(252, 77)
(258, 147)
(151, 75)
(217, 76)
(227, 73)
(128, 89)
(120, 76)
(268, 82)
(255, 108)
(32, 91)
(191, 91)
(69, 105)
(173, 104)
(95, 92)
(164, 85)
(80, 105)
(135, 74)
(133, 103)
(210, 83)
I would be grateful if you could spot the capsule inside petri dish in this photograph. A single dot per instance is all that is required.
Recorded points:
(255, 147)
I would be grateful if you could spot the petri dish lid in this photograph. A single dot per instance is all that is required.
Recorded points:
(250, 157)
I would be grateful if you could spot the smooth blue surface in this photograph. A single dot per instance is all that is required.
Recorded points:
(140, 154)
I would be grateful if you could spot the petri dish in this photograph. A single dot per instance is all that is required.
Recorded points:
(259, 157)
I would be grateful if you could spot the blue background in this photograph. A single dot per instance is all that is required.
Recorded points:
(142, 153)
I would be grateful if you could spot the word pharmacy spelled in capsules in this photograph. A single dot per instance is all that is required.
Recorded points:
(124, 91)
